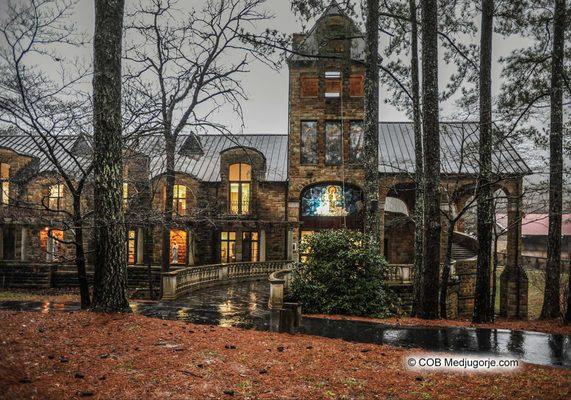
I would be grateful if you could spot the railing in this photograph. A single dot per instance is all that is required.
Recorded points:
(183, 281)
(280, 282)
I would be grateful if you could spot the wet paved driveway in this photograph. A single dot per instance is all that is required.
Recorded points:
(244, 305)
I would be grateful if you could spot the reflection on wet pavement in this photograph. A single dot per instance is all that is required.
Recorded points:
(244, 305)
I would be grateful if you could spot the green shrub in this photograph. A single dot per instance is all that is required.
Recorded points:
(340, 274)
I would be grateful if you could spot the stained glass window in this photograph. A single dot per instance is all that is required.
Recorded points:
(327, 200)
(356, 142)
(333, 143)
(309, 142)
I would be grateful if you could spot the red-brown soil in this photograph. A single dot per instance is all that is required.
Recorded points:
(82, 354)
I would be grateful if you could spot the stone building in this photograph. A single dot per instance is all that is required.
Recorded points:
(254, 197)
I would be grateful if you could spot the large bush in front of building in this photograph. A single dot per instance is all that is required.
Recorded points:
(340, 274)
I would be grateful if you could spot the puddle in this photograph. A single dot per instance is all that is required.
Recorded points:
(245, 306)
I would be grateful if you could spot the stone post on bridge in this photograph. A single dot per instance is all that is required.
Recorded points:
(513, 280)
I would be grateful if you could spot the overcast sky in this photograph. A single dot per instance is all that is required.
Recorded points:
(266, 110)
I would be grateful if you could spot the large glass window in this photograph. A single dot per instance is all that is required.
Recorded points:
(356, 137)
(51, 243)
(55, 199)
(308, 142)
(5, 183)
(327, 200)
(132, 247)
(179, 199)
(250, 246)
(240, 178)
(227, 247)
(179, 246)
(333, 143)
(125, 194)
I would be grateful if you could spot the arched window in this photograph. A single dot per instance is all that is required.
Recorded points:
(179, 199)
(240, 177)
(5, 183)
(331, 200)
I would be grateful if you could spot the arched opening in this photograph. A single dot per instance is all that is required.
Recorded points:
(331, 205)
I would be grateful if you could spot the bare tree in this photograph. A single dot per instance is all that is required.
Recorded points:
(185, 66)
(48, 107)
(110, 288)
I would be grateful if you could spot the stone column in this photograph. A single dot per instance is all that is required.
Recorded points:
(23, 244)
(382, 202)
(1, 244)
(140, 246)
(262, 245)
(513, 280)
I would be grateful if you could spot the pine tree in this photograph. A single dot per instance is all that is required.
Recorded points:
(110, 286)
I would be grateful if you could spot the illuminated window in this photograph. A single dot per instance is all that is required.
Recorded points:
(132, 247)
(179, 246)
(309, 86)
(333, 143)
(227, 247)
(55, 200)
(308, 142)
(125, 194)
(250, 246)
(5, 183)
(356, 138)
(51, 243)
(326, 200)
(239, 178)
(357, 85)
(333, 84)
(179, 199)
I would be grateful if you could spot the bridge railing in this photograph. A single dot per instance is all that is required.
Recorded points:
(280, 281)
(183, 281)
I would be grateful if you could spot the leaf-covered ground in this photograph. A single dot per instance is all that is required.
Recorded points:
(82, 354)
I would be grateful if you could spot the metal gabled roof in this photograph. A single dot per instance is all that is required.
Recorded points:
(206, 167)
(63, 148)
(459, 143)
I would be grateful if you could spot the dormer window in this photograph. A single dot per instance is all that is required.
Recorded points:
(333, 84)
(55, 199)
(240, 177)
(5, 183)
(179, 199)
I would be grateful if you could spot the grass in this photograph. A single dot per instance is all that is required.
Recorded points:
(536, 280)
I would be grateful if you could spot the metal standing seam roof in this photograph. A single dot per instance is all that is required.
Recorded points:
(459, 143)
(459, 152)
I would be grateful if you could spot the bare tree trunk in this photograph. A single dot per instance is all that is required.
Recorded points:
(148, 259)
(446, 270)
(551, 307)
(419, 164)
(110, 288)
(80, 254)
(484, 209)
(169, 194)
(371, 151)
(431, 141)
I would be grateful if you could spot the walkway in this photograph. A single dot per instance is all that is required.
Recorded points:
(244, 305)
